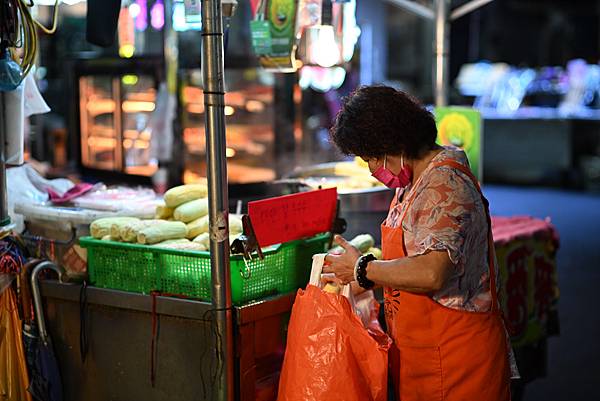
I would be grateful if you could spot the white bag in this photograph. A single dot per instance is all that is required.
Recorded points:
(362, 304)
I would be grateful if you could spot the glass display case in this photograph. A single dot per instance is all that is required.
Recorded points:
(115, 106)
(249, 119)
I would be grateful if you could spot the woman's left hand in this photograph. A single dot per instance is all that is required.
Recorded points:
(342, 265)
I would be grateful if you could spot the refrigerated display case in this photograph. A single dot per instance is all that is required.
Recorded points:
(116, 101)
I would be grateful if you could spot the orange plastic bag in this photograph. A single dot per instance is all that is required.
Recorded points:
(14, 379)
(330, 354)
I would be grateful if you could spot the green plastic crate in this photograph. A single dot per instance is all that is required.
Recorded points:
(142, 268)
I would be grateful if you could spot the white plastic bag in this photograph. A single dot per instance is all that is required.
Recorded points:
(34, 102)
(27, 187)
(362, 304)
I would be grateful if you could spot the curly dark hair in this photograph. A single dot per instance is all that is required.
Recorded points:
(379, 120)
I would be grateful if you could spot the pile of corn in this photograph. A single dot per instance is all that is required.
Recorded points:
(180, 223)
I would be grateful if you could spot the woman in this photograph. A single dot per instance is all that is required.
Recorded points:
(438, 269)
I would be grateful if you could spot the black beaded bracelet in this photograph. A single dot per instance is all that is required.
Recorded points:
(361, 271)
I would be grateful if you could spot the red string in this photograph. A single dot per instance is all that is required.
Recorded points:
(154, 294)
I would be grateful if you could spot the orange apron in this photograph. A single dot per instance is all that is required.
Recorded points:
(441, 353)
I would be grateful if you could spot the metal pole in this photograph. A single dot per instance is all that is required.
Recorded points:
(416, 8)
(441, 51)
(285, 115)
(213, 82)
(4, 217)
(467, 8)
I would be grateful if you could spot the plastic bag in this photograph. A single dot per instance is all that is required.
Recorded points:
(14, 379)
(330, 354)
(28, 187)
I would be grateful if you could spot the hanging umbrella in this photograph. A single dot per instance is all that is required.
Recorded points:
(43, 368)
(13, 369)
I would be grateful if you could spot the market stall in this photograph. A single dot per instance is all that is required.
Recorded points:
(168, 310)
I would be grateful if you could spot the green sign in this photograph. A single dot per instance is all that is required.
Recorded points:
(261, 37)
(274, 34)
(461, 127)
(282, 16)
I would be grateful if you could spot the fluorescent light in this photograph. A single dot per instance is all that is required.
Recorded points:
(327, 53)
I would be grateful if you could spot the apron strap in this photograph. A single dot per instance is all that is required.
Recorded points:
(491, 260)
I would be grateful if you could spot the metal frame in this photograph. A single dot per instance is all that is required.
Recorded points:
(442, 16)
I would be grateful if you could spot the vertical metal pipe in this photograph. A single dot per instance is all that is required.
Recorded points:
(4, 218)
(214, 101)
(441, 52)
(284, 119)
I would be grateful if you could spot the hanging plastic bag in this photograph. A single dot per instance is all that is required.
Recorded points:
(14, 379)
(330, 354)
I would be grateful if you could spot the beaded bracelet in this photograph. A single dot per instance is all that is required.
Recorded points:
(360, 271)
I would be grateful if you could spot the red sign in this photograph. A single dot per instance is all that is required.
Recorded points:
(291, 217)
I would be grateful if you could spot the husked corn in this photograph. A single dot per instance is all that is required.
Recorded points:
(163, 212)
(173, 241)
(235, 225)
(129, 232)
(162, 232)
(203, 239)
(183, 246)
(197, 227)
(101, 227)
(200, 226)
(184, 193)
(191, 211)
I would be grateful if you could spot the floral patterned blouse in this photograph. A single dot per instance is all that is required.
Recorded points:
(448, 214)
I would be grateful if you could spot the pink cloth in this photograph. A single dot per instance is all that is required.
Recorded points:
(75, 192)
(508, 229)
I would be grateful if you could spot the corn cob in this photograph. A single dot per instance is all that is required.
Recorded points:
(235, 225)
(129, 232)
(362, 242)
(203, 239)
(183, 246)
(191, 211)
(163, 212)
(173, 241)
(184, 193)
(197, 227)
(375, 252)
(162, 232)
(200, 226)
(101, 227)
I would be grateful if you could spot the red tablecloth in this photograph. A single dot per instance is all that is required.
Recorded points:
(526, 253)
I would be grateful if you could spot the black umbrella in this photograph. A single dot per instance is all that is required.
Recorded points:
(43, 368)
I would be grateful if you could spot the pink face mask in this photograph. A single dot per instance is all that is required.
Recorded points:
(389, 179)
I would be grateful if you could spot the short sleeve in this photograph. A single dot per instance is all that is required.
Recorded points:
(441, 215)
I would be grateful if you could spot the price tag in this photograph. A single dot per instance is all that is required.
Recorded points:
(291, 217)
(261, 37)
(193, 10)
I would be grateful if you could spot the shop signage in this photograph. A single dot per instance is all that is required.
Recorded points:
(291, 217)
(461, 127)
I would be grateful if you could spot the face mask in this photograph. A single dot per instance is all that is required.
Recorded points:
(389, 179)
